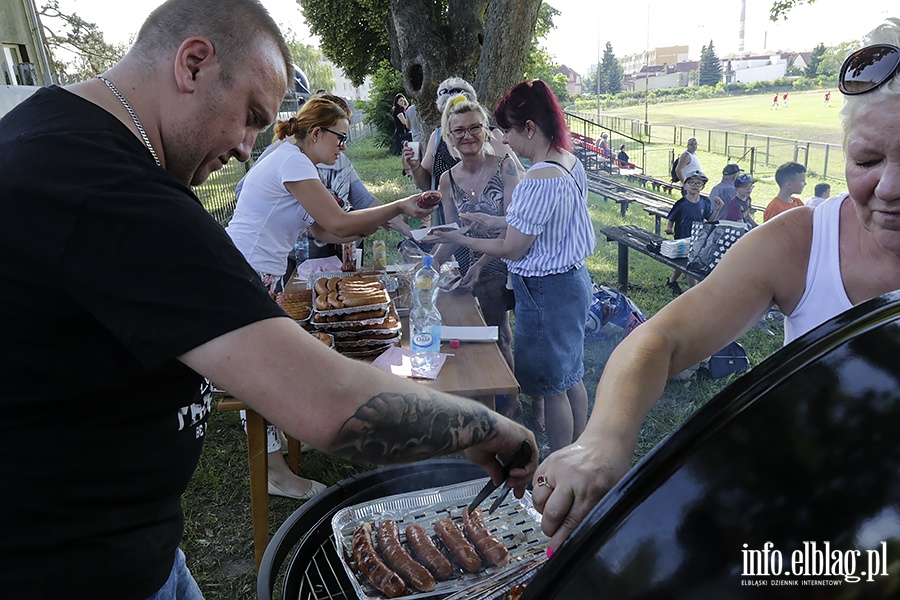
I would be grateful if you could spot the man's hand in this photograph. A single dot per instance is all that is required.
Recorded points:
(491, 455)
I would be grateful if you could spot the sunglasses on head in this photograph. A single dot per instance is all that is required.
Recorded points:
(868, 69)
(451, 91)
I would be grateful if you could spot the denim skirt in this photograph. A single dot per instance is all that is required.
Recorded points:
(551, 311)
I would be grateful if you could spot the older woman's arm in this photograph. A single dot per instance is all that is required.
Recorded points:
(738, 291)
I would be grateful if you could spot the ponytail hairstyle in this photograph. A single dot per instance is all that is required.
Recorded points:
(534, 101)
(316, 112)
(458, 105)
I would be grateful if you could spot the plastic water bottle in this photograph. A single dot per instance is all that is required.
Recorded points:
(425, 320)
(301, 248)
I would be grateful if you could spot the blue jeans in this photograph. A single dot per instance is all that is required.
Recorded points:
(180, 585)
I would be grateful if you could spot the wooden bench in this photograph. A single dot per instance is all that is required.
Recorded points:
(659, 213)
(629, 237)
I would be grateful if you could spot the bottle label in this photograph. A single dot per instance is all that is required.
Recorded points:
(427, 339)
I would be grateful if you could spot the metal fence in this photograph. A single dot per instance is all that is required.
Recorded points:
(634, 146)
(217, 193)
(759, 155)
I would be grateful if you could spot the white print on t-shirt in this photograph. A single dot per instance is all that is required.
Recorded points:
(194, 415)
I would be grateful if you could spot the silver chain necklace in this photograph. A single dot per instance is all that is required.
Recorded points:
(137, 122)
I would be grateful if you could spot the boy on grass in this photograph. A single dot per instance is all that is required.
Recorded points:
(791, 179)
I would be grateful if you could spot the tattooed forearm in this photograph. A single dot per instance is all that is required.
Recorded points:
(396, 428)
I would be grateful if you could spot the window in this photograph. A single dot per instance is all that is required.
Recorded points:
(8, 61)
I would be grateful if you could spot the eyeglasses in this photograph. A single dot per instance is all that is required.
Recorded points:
(868, 69)
(444, 92)
(695, 182)
(474, 131)
(342, 137)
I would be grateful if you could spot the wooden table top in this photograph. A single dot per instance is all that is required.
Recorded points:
(477, 368)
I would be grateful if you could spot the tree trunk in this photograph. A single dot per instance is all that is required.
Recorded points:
(428, 45)
(509, 29)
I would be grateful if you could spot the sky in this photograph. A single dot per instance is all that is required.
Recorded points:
(584, 27)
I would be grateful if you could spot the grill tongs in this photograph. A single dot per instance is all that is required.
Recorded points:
(518, 460)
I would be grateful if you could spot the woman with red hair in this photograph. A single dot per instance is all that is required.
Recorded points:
(548, 236)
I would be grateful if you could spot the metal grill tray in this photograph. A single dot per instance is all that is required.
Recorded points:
(515, 522)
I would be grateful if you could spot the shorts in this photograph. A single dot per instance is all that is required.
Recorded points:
(551, 312)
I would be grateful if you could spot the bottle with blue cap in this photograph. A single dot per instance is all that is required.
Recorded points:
(425, 319)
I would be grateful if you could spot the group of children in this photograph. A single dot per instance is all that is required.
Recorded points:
(730, 200)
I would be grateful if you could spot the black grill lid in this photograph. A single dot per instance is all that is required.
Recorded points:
(802, 450)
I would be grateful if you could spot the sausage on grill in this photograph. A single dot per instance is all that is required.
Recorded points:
(399, 559)
(459, 546)
(371, 567)
(490, 547)
(427, 553)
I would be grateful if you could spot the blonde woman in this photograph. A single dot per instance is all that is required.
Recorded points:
(481, 186)
(438, 156)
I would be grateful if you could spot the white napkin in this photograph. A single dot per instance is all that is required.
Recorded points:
(330, 264)
(397, 360)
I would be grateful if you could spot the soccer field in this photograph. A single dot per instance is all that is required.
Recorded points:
(805, 117)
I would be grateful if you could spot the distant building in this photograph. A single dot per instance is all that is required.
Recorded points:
(658, 57)
(661, 77)
(573, 85)
(800, 60)
(24, 63)
(750, 68)
(345, 89)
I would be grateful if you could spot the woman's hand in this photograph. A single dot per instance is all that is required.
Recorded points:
(471, 276)
(409, 159)
(410, 207)
(484, 221)
(570, 482)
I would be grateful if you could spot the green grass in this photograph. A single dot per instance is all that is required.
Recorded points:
(218, 535)
(804, 119)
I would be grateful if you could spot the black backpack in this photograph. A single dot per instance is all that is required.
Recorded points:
(674, 173)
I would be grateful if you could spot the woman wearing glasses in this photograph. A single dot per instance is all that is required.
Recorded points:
(549, 235)
(438, 157)
(283, 195)
(813, 263)
(479, 186)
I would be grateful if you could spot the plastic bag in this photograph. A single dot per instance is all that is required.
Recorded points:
(710, 241)
(611, 313)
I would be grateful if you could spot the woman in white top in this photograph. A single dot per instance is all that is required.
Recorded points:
(282, 195)
(813, 263)
(549, 235)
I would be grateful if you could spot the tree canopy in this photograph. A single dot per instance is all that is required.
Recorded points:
(780, 8)
(69, 33)
(309, 59)
(483, 41)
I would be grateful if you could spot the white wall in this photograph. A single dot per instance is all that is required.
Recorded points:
(10, 95)
(764, 73)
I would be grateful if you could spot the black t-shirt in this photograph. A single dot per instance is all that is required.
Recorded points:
(110, 269)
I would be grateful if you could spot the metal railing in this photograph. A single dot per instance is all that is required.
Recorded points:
(634, 146)
(758, 154)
